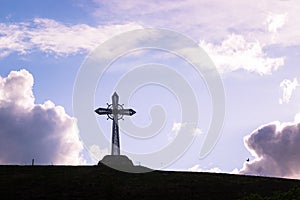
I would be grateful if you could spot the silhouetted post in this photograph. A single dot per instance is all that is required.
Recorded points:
(115, 111)
(32, 161)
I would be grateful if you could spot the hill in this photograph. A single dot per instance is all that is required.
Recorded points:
(93, 182)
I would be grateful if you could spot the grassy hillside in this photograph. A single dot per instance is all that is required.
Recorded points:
(92, 182)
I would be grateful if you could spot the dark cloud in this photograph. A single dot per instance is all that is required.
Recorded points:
(28, 130)
(276, 147)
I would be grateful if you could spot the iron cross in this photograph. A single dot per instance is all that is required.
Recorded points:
(115, 112)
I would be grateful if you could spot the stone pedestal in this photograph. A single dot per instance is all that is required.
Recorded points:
(116, 161)
(122, 163)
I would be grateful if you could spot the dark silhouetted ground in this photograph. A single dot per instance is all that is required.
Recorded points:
(92, 182)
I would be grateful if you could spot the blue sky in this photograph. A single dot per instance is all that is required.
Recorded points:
(253, 44)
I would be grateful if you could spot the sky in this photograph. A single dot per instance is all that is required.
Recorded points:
(254, 46)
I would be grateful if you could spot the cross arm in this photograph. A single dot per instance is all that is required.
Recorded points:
(103, 111)
(127, 112)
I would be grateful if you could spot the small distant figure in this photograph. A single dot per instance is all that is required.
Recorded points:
(32, 161)
(248, 160)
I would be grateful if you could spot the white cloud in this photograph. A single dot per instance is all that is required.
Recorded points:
(197, 131)
(276, 21)
(236, 53)
(235, 35)
(177, 126)
(288, 87)
(175, 129)
(235, 171)
(297, 118)
(56, 38)
(16, 89)
(197, 168)
(28, 130)
(211, 20)
(96, 153)
(12, 38)
(276, 148)
(189, 128)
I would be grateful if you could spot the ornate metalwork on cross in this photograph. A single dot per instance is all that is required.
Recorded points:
(115, 112)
